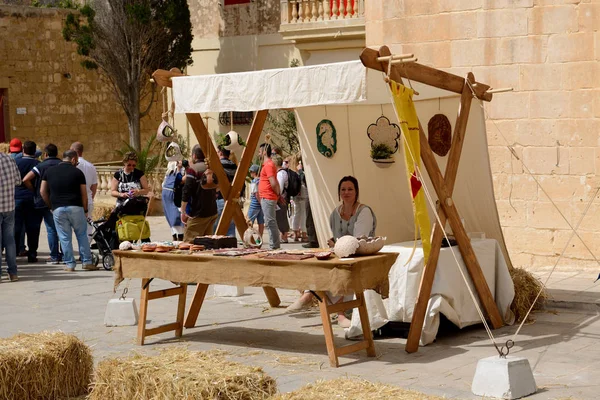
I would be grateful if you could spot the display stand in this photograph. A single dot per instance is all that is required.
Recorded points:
(230, 191)
(443, 185)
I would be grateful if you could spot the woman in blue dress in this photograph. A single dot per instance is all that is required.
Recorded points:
(170, 187)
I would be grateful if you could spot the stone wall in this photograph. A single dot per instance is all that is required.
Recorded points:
(549, 52)
(214, 19)
(63, 101)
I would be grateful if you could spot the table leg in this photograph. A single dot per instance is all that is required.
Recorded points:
(272, 296)
(141, 335)
(327, 330)
(181, 309)
(366, 326)
(195, 305)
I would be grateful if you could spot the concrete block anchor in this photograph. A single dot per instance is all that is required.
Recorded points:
(228, 291)
(503, 378)
(121, 312)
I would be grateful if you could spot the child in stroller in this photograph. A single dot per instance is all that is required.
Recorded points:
(105, 235)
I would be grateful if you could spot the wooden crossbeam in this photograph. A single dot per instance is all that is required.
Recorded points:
(443, 185)
(229, 190)
(241, 173)
(427, 278)
(422, 73)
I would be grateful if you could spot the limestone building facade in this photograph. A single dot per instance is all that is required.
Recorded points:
(48, 97)
(547, 50)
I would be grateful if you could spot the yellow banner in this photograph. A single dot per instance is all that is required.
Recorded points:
(409, 123)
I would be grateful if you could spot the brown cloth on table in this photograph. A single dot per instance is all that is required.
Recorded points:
(338, 276)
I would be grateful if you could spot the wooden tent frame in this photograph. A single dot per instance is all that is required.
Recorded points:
(443, 184)
(230, 191)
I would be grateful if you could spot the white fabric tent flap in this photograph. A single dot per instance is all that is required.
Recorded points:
(353, 98)
(449, 294)
(339, 83)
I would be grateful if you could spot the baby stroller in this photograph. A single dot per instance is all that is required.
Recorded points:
(105, 236)
(103, 241)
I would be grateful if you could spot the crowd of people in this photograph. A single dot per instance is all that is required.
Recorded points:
(58, 191)
(61, 191)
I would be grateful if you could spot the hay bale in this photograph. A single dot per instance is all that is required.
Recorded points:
(177, 373)
(352, 389)
(47, 365)
(527, 286)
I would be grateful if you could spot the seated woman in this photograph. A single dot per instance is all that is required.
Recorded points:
(129, 186)
(349, 218)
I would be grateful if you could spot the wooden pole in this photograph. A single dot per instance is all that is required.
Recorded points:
(240, 175)
(422, 73)
(416, 326)
(443, 186)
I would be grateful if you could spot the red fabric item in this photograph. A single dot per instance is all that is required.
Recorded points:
(265, 191)
(415, 185)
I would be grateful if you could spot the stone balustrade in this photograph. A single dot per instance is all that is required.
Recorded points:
(310, 20)
(106, 173)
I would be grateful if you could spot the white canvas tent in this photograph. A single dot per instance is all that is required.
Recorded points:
(353, 97)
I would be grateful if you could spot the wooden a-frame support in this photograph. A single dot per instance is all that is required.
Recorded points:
(230, 191)
(443, 185)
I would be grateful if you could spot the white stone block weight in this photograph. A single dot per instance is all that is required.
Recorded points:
(228, 291)
(121, 312)
(503, 378)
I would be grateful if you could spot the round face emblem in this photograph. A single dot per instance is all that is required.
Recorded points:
(440, 134)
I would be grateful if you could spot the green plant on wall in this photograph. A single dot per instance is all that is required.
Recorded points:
(381, 151)
(149, 156)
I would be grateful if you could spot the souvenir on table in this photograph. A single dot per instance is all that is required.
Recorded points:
(384, 137)
(440, 134)
(326, 138)
(216, 241)
(370, 245)
(345, 246)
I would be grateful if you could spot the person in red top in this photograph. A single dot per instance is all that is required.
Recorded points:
(268, 193)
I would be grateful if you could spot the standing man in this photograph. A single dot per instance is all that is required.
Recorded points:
(65, 192)
(230, 169)
(16, 148)
(203, 202)
(268, 192)
(9, 178)
(91, 180)
(27, 218)
(33, 181)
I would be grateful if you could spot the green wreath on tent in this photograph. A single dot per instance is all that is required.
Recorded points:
(326, 138)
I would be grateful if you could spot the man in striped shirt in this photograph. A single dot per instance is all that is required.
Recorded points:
(9, 178)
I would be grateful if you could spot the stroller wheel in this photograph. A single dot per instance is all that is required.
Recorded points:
(108, 261)
(95, 259)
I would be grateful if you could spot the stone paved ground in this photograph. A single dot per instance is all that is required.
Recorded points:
(562, 345)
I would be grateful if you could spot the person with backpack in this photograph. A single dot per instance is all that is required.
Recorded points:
(171, 189)
(230, 169)
(281, 213)
(199, 191)
(33, 181)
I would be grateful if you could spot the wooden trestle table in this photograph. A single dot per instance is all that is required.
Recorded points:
(337, 276)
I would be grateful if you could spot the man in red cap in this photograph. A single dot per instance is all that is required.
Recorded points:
(16, 152)
(16, 148)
